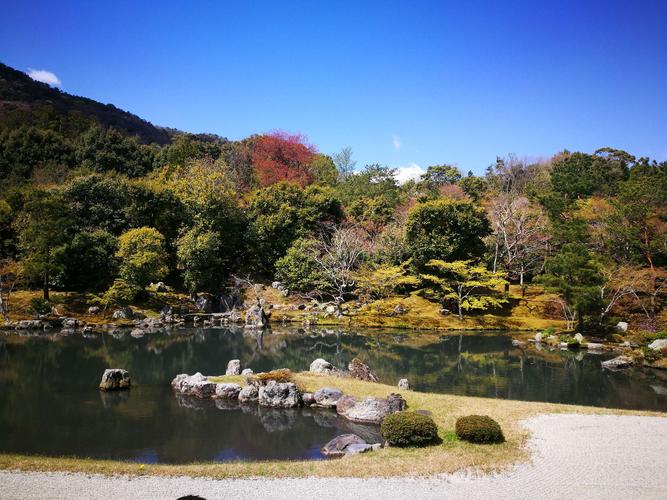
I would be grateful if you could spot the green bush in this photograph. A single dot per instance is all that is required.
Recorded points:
(479, 429)
(39, 306)
(409, 429)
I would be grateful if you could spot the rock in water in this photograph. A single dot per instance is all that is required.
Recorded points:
(248, 394)
(234, 367)
(227, 391)
(403, 384)
(327, 397)
(361, 371)
(255, 317)
(194, 385)
(618, 363)
(579, 338)
(339, 445)
(114, 379)
(279, 395)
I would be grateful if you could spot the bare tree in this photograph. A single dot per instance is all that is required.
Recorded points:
(344, 162)
(340, 253)
(521, 236)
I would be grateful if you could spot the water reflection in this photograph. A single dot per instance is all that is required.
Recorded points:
(49, 402)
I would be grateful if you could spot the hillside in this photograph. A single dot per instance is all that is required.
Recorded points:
(21, 94)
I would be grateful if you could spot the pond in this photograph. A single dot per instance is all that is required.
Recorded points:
(50, 404)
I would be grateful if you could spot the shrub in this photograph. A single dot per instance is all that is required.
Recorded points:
(479, 429)
(281, 375)
(39, 306)
(409, 429)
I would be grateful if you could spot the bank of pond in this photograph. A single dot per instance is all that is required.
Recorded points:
(50, 403)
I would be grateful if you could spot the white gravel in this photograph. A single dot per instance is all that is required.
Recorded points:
(574, 456)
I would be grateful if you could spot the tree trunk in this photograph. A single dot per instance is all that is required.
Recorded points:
(45, 288)
(460, 312)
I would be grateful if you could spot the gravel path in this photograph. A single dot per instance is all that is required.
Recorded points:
(574, 456)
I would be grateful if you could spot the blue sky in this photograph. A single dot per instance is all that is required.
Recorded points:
(402, 83)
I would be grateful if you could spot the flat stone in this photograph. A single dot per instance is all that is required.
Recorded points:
(370, 410)
(337, 446)
(618, 363)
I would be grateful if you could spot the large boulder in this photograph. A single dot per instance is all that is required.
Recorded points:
(370, 410)
(234, 367)
(255, 317)
(115, 379)
(327, 397)
(279, 395)
(618, 363)
(321, 366)
(658, 345)
(361, 371)
(227, 391)
(30, 324)
(194, 385)
(123, 313)
(344, 444)
(249, 394)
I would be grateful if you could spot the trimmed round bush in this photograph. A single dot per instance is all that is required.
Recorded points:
(479, 429)
(409, 429)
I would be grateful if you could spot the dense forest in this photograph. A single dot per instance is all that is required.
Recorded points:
(94, 199)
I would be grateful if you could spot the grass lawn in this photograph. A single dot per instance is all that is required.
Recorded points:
(450, 456)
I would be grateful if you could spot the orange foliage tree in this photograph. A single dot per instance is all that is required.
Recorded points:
(280, 156)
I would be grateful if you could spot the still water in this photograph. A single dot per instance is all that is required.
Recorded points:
(50, 404)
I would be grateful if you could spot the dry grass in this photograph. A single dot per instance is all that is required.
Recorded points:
(450, 456)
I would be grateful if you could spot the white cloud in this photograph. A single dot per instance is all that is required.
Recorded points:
(409, 171)
(396, 141)
(41, 75)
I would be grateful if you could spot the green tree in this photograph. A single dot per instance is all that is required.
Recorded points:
(200, 254)
(574, 274)
(298, 268)
(43, 227)
(283, 212)
(439, 175)
(378, 282)
(323, 170)
(471, 286)
(86, 262)
(445, 229)
(142, 257)
(107, 150)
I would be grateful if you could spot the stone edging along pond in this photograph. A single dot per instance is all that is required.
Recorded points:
(276, 390)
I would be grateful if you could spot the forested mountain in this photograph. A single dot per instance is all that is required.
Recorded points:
(86, 206)
(24, 100)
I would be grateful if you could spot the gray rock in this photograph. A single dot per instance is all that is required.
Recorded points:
(123, 313)
(403, 384)
(227, 391)
(160, 287)
(618, 363)
(194, 385)
(370, 410)
(327, 397)
(321, 366)
(538, 337)
(361, 371)
(622, 326)
(234, 367)
(30, 324)
(593, 346)
(279, 395)
(355, 448)
(204, 304)
(337, 446)
(115, 379)
(246, 372)
(94, 310)
(579, 338)
(658, 345)
(88, 329)
(249, 394)
(137, 333)
(255, 317)
(308, 398)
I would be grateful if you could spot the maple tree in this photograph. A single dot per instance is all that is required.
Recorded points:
(280, 156)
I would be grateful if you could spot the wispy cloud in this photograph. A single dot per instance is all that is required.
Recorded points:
(396, 141)
(44, 76)
(407, 172)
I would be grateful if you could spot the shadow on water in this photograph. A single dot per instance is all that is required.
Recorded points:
(49, 403)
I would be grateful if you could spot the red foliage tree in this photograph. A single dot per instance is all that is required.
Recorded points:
(280, 156)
